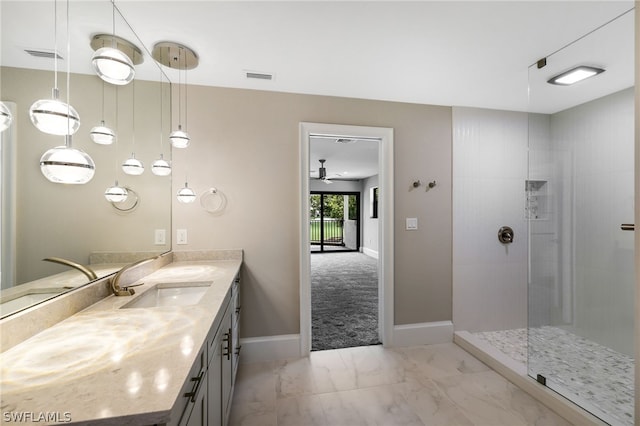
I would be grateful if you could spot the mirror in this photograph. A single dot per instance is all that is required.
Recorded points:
(41, 219)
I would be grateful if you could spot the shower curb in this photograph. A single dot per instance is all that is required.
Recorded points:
(516, 373)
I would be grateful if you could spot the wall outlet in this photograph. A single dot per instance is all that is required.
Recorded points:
(181, 237)
(160, 237)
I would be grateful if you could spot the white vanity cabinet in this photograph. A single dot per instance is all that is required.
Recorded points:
(207, 394)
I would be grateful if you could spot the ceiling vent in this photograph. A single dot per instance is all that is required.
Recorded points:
(259, 75)
(345, 140)
(47, 54)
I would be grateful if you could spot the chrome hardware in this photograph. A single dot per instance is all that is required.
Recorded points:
(628, 227)
(227, 340)
(196, 386)
(505, 235)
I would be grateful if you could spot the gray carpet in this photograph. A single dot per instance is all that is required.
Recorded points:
(344, 300)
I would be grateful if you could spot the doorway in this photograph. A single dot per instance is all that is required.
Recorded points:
(334, 221)
(382, 138)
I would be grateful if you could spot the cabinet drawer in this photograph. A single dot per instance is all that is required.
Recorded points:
(190, 388)
(215, 328)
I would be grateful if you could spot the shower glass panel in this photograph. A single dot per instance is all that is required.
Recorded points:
(579, 192)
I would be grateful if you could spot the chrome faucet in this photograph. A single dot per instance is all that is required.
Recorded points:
(84, 269)
(115, 281)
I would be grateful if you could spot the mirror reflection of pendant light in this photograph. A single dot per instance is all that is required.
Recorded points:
(133, 166)
(101, 134)
(177, 56)
(53, 116)
(161, 167)
(185, 194)
(5, 117)
(114, 57)
(116, 193)
(65, 164)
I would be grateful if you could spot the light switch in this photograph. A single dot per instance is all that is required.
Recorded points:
(412, 223)
(181, 237)
(160, 237)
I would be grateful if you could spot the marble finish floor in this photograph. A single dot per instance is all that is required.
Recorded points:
(598, 378)
(372, 385)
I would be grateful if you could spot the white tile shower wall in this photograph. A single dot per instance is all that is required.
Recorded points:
(489, 173)
(598, 137)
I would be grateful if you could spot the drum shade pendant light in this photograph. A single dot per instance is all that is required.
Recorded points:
(114, 57)
(5, 117)
(101, 134)
(65, 164)
(177, 56)
(53, 116)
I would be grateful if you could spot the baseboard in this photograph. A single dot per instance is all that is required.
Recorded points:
(370, 253)
(426, 333)
(269, 348)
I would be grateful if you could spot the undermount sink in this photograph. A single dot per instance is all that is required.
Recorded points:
(171, 294)
(28, 297)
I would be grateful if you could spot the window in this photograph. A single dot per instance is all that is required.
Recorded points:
(373, 196)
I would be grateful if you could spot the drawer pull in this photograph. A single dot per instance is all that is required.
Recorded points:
(227, 340)
(238, 309)
(238, 350)
(196, 386)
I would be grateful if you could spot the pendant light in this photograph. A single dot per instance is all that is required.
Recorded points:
(65, 164)
(116, 193)
(114, 57)
(5, 117)
(133, 166)
(179, 57)
(53, 116)
(180, 138)
(161, 167)
(101, 134)
(186, 195)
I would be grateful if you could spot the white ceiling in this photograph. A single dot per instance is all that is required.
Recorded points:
(458, 53)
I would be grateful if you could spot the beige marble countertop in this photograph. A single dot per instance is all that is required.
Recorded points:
(111, 366)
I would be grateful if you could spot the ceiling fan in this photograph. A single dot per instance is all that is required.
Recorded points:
(322, 173)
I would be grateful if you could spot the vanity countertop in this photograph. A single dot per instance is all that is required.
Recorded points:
(111, 366)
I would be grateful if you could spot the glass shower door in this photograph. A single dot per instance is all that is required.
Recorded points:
(580, 210)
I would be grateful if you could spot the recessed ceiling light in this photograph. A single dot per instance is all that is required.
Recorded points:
(575, 75)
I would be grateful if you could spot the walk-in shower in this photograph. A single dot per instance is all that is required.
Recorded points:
(558, 300)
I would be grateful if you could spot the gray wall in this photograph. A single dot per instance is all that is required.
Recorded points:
(246, 143)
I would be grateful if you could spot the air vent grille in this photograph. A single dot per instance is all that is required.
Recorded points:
(43, 54)
(259, 75)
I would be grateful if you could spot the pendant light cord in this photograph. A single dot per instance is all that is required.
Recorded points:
(68, 80)
(186, 96)
(133, 115)
(161, 123)
(179, 89)
(55, 49)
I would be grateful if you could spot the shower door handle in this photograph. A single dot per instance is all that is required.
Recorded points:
(628, 227)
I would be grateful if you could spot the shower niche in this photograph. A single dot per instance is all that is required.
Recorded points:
(537, 199)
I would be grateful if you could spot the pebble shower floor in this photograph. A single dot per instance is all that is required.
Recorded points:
(600, 377)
